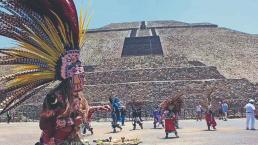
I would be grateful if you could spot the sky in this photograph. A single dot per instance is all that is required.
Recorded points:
(240, 15)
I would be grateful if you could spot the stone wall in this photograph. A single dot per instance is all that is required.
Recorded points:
(159, 90)
(232, 52)
(158, 74)
(141, 62)
(103, 45)
(121, 25)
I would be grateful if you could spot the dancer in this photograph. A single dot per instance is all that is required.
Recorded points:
(49, 36)
(172, 107)
(116, 113)
(209, 114)
(210, 119)
(170, 123)
(136, 116)
(157, 116)
(87, 122)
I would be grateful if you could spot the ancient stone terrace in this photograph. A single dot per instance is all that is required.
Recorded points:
(142, 62)
(163, 77)
(149, 25)
(155, 91)
(232, 52)
(156, 74)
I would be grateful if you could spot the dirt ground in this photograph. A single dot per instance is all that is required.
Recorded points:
(191, 132)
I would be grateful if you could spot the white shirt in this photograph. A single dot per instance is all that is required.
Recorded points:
(249, 108)
(198, 108)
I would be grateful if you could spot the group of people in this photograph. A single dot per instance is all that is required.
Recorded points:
(166, 114)
(223, 109)
(168, 119)
(118, 114)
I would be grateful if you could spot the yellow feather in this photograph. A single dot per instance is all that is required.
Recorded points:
(54, 36)
(25, 67)
(82, 19)
(30, 78)
(62, 29)
(33, 49)
(21, 53)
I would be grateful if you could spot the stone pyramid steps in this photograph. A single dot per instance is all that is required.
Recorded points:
(139, 62)
(152, 74)
(226, 88)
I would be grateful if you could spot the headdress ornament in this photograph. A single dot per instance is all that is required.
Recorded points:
(49, 35)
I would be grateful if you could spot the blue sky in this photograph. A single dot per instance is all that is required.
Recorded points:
(241, 15)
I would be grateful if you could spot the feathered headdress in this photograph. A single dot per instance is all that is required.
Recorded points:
(49, 36)
(174, 104)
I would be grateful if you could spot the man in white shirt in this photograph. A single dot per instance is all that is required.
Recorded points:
(199, 112)
(250, 115)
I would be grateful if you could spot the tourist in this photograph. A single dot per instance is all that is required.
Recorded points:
(198, 112)
(250, 115)
(220, 111)
(8, 117)
(136, 115)
(210, 120)
(225, 111)
(123, 115)
(234, 105)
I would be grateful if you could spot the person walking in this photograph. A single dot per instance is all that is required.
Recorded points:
(220, 110)
(250, 115)
(225, 111)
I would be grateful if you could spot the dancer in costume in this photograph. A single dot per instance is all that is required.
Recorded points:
(87, 123)
(136, 113)
(116, 113)
(172, 108)
(136, 116)
(158, 117)
(209, 114)
(210, 119)
(49, 36)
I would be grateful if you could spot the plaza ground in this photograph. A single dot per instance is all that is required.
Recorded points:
(230, 132)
